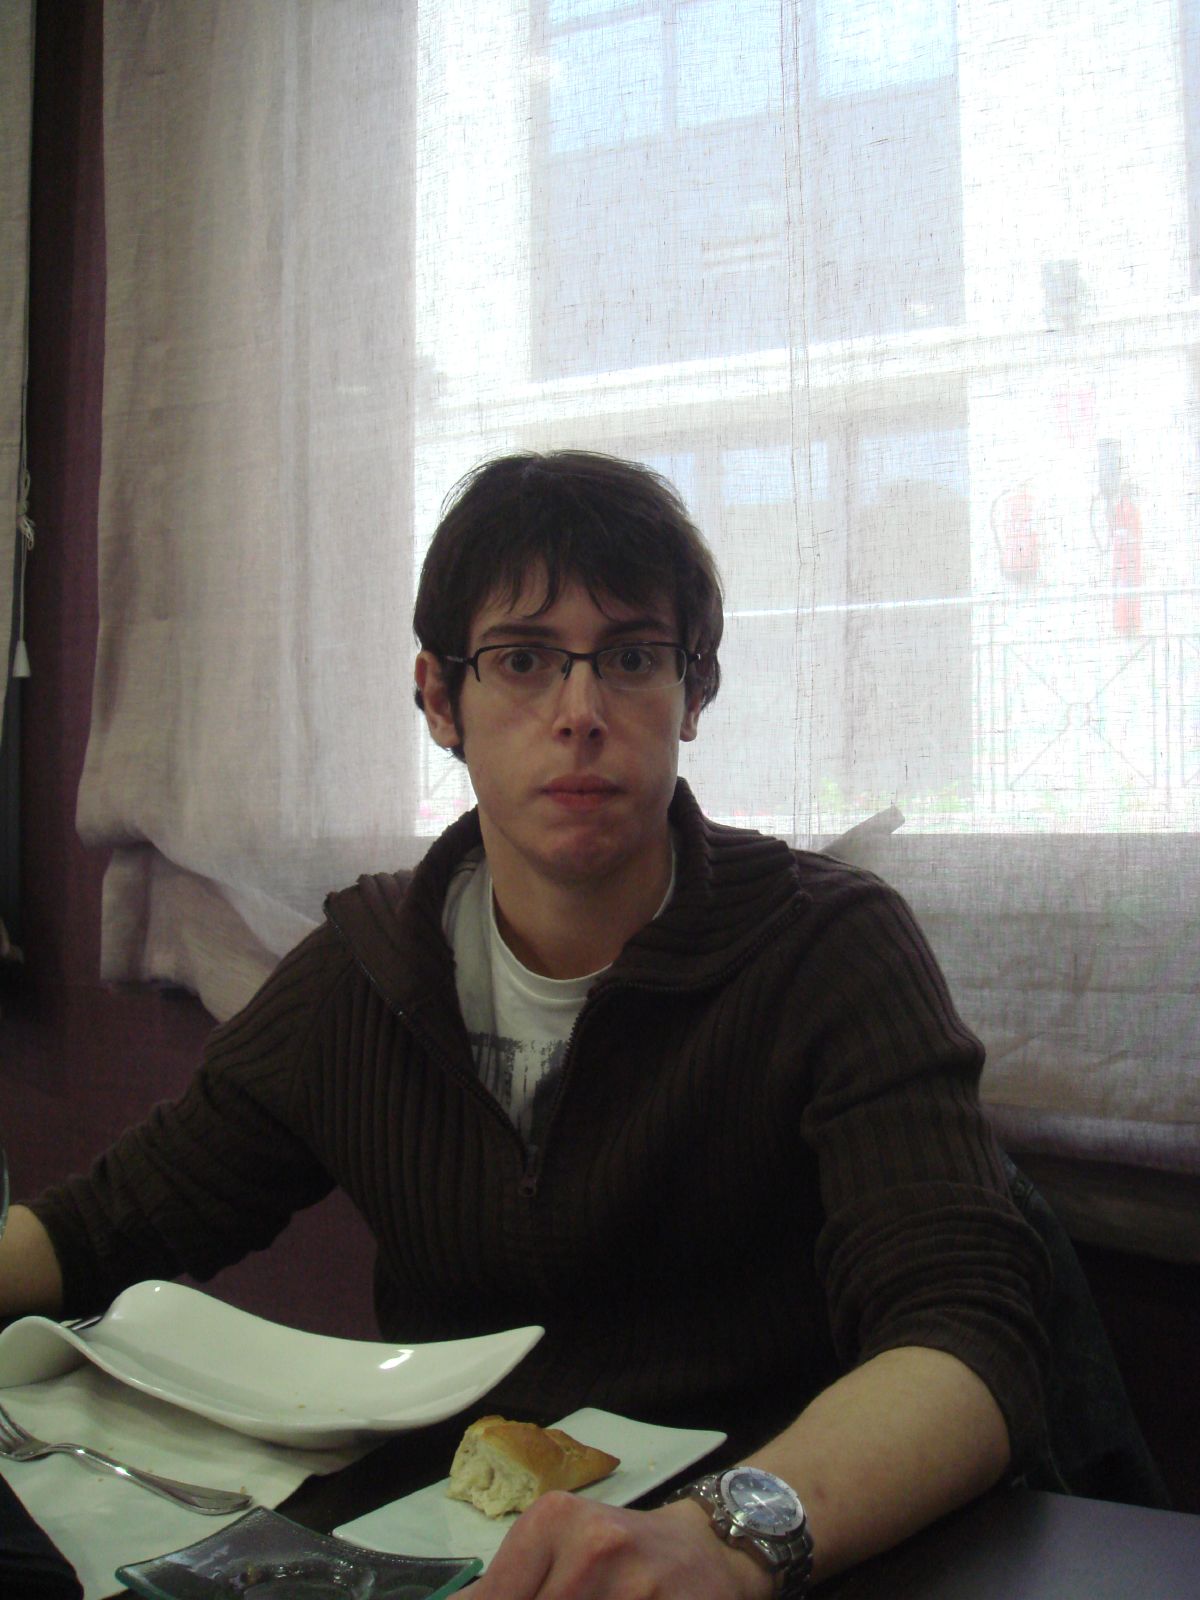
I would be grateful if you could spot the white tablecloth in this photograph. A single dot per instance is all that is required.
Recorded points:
(100, 1522)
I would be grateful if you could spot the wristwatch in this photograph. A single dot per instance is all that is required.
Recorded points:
(760, 1513)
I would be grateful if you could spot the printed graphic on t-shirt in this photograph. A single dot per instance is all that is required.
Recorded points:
(519, 1073)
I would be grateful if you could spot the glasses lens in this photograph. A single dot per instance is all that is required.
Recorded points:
(642, 666)
(520, 668)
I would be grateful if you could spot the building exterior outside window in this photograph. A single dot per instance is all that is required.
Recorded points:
(913, 323)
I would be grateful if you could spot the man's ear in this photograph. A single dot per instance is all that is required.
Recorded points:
(435, 700)
(690, 726)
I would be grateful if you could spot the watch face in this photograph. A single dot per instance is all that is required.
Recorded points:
(761, 1503)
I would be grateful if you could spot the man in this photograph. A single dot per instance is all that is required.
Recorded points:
(697, 1103)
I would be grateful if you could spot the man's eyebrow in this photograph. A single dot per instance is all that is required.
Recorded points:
(530, 628)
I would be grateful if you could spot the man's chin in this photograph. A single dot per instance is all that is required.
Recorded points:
(590, 856)
(583, 868)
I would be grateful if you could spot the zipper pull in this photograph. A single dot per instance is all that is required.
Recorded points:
(528, 1186)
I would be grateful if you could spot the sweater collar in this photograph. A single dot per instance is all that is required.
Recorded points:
(734, 887)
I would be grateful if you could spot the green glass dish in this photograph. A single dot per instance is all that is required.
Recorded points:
(264, 1556)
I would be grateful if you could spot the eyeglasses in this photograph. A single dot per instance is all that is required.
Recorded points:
(531, 669)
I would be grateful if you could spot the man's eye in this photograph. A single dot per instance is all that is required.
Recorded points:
(523, 662)
(634, 661)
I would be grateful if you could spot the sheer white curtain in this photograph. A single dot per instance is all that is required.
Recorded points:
(901, 293)
(252, 737)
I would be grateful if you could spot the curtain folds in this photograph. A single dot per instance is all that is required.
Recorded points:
(903, 296)
(251, 741)
(16, 111)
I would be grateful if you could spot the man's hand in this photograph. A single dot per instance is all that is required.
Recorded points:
(566, 1548)
(30, 1277)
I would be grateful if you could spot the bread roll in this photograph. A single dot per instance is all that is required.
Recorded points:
(504, 1466)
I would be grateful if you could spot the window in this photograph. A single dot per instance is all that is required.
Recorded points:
(1189, 29)
(845, 117)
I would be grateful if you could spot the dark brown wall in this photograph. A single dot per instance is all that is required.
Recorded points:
(79, 1061)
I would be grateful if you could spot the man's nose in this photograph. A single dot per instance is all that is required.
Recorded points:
(579, 703)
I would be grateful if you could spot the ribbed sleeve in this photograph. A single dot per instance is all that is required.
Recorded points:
(921, 1243)
(218, 1172)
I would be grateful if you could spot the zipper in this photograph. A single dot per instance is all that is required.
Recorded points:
(531, 1175)
(468, 1079)
(532, 1157)
(532, 1172)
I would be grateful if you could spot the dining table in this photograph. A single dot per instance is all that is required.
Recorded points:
(1027, 1544)
(1011, 1544)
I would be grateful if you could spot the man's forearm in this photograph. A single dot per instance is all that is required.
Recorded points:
(888, 1448)
(30, 1277)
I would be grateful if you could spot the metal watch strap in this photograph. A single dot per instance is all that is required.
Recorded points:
(789, 1560)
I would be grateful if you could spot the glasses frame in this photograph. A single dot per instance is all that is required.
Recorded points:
(691, 658)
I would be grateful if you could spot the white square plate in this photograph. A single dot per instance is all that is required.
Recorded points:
(428, 1523)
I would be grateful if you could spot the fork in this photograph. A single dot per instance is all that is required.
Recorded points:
(18, 1444)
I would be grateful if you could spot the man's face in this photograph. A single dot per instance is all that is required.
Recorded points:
(573, 783)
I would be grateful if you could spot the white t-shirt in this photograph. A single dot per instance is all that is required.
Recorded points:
(519, 1023)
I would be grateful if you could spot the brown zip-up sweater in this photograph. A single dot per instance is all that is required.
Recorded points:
(766, 1161)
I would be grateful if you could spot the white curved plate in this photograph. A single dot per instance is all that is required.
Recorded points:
(260, 1378)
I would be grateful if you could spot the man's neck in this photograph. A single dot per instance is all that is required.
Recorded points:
(569, 930)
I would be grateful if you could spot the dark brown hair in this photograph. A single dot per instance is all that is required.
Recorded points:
(613, 526)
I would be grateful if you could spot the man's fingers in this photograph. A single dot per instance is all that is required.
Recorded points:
(565, 1548)
(521, 1566)
(560, 1547)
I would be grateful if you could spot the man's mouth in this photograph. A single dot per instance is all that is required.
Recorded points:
(580, 791)
(580, 783)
